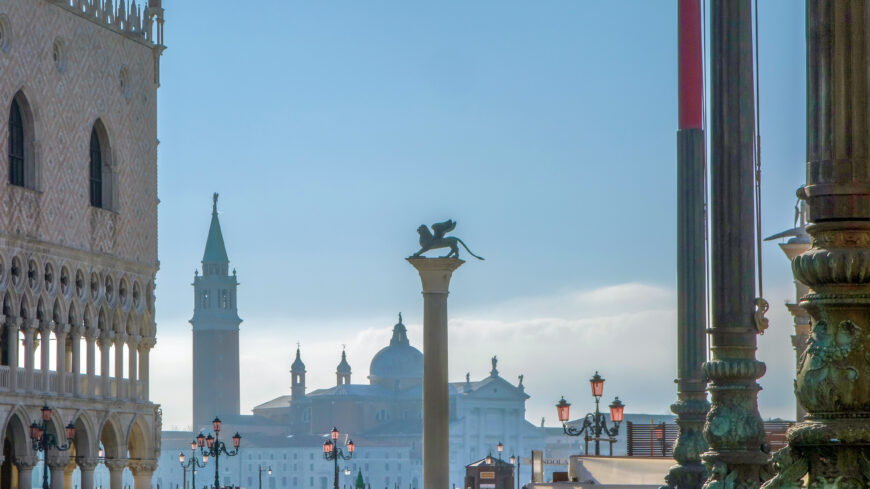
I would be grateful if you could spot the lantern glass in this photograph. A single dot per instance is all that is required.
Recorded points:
(34, 431)
(597, 384)
(181, 457)
(347, 471)
(200, 440)
(327, 446)
(269, 471)
(193, 445)
(216, 424)
(237, 440)
(209, 441)
(513, 460)
(499, 447)
(616, 410)
(563, 409)
(205, 458)
(350, 446)
(488, 460)
(334, 433)
(70, 431)
(46, 412)
(100, 453)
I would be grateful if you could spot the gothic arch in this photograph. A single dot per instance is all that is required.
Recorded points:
(85, 440)
(117, 321)
(131, 324)
(72, 316)
(16, 431)
(138, 441)
(102, 181)
(102, 320)
(41, 310)
(29, 176)
(25, 310)
(112, 438)
(57, 314)
(9, 301)
(88, 318)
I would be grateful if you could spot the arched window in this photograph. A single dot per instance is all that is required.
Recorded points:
(16, 145)
(96, 170)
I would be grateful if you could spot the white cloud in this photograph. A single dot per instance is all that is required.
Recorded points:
(627, 332)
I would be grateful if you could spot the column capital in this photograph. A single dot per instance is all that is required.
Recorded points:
(120, 339)
(146, 343)
(62, 328)
(133, 340)
(26, 462)
(140, 467)
(435, 273)
(77, 330)
(87, 463)
(29, 324)
(46, 327)
(57, 461)
(115, 464)
(90, 333)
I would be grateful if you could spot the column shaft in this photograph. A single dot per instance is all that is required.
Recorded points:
(119, 367)
(132, 346)
(435, 275)
(44, 356)
(831, 442)
(61, 332)
(25, 477)
(29, 329)
(734, 430)
(13, 326)
(90, 343)
(76, 360)
(105, 375)
(144, 352)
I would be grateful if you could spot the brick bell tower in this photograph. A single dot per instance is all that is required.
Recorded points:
(215, 333)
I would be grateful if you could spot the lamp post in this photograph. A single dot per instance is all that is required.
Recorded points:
(211, 446)
(516, 460)
(260, 471)
(193, 463)
(594, 424)
(332, 452)
(499, 448)
(43, 440)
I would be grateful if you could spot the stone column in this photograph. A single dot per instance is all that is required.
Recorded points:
(13, 325)
(142, 471)
(90, 344)
(832, 443)
(435, 274)
(116, 472)
(105, 350)
(120, 339)
(25, 471)
(691, 406)
(68, 473)
(76, 360)
(61, 331)
(132, 345)
(734, 430)
(44, 355)
(29, 330)
(57, 467)
(145, 346)
(87, 466)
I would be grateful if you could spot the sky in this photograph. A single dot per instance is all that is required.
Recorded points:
(547, 130)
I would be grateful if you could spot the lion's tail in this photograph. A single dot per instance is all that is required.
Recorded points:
(469, 251)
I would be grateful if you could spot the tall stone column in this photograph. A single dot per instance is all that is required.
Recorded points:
(691, 406)
(90, 345)
(145, 346)
(44, 355)
(68, 474)
(61, 331)
(29, 330)
(13, 326)
(56, 467)
(86, 468)
(734, 430)
(76, 359)
(143, 471)
(116, 472)
(435, 275)
(25, 471)
(120, 393)
(105, 351)
(133, 347)
(832, 443)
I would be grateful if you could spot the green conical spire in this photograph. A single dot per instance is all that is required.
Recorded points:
(360, 483)
(215, 251)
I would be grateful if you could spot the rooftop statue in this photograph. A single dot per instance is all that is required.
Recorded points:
(436, 239)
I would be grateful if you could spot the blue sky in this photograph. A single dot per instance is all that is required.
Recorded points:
(546, 129)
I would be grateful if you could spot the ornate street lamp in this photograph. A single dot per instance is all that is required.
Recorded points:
(193, 464)
(43, 440)
(488, 459)
(260, 471)
(332, 452)
(594, 424)
(499, 448)
(211, 446)
(516, 460)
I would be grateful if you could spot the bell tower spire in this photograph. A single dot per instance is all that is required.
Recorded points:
(215, 331)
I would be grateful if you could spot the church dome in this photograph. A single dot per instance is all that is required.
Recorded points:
(297, 366)
(397, 362)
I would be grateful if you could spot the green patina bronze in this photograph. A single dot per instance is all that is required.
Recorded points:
(830, 448)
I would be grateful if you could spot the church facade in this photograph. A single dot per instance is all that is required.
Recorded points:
(78, 238)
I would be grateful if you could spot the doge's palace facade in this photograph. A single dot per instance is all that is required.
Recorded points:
(78, 236)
